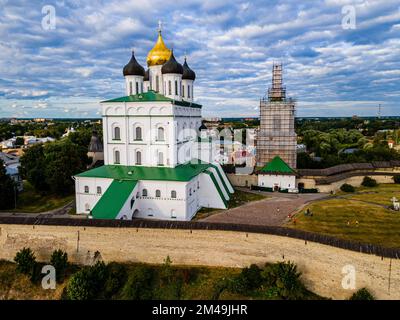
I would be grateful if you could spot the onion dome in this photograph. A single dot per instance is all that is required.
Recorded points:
(159, 54)
(188, 74)
(95, 144)
(133, 68)
(172, 66)
(146, 75)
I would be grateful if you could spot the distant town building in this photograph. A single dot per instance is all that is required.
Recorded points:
(11, 163)
(95, 150)
(277, 175)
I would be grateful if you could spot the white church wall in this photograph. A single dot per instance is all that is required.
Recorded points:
(208, 195)
(281, 181)
(219, 181)
(87, 200)
(126, 211)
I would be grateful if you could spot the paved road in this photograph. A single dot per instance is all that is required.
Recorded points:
(272, 211)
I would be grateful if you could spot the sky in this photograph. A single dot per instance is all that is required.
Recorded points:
(62, 65)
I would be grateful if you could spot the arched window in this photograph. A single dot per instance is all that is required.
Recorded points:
(144, 193)
(158, 193)
(173, 194)
(137, 87)
(160, 134)
(130, 88)
(157, 84)
(188, 91)
(138, 133)
(116, 157)
(176, 87)
(169, 87)
(117, 133)
(138, 157)
(98, 190)
(183, 91)
(86, 189)
(160, 158)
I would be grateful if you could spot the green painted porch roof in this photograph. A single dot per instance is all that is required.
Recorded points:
(112, 201)
(277, 165)
(152, 96)
(183, 172)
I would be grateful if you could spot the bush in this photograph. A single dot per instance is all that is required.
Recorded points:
(285, 278)
(347, 188)
(369, 182)
(248, 280)
(139, 284)
(396, 179)
(310, 190)
(115, 280)
(59, 260)
(87, 283)
(26, 261)
(362, 294)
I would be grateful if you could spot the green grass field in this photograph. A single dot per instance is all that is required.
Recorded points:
(238, 199)
(351, 219)
(34, 202)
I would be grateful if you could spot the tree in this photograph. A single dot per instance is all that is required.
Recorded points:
(248, 280)
(26, 261)
(362, 294)
(19, 141)
(369, 182)
(7, 189)
(139, 284)
(347, 188)
(33, 167)
(59, 260)
(396, 179)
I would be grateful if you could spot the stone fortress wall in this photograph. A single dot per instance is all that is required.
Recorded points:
(320, 264)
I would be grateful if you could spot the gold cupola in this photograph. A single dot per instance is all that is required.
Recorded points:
(159, 54)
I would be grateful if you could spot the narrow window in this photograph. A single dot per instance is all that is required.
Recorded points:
(183, 91)
(169, 87)
(157, 84)
(98, 190)
(160, 159)
(116, 157)
(158, 193)
(141, 87)
(144, 192)
(160, 134)
(138, 133)
(130, 88)
(137, 87)
(198, 185)
(173, 194)
(132, 202)
(86, 189)
(190, 191)
(176, 87)
(138, 157)
(188, 91)
(117, 133)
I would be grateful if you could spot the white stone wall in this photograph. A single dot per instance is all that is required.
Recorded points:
(172, 86)
(130, 85)
(187, 90)
(88, 200)
(282, 181)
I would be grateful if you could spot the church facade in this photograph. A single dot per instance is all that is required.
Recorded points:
(153, 168)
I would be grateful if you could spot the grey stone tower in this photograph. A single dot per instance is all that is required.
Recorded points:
(276, 135)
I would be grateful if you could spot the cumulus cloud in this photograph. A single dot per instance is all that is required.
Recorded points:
(231, 44)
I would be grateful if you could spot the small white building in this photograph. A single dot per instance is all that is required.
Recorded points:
(153, 168)
(277, 175)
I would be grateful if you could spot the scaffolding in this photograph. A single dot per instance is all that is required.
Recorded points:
(277, 136)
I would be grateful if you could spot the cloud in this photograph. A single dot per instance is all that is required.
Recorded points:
(231, 45)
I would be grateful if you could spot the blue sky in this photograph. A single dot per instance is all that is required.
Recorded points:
(231, 45)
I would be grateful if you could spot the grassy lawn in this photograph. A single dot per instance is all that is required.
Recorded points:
(355, 220)
(34, 202)
(238, 199)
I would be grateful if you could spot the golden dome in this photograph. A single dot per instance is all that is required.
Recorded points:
(159, 54)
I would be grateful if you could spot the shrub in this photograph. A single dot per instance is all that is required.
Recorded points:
(347, 188)
(362, 294)
(87, 283)
(369, 182)
(59, 260)
(248, 280)
(116, 278)
(26, 261)
(139, 284)
(285, 278)
(396, 179)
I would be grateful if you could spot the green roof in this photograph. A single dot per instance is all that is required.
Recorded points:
(183, 172)
(112, 201)
(152, 96)
(277, 165)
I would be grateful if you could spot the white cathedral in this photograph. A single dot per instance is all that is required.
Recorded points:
(156, 165)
